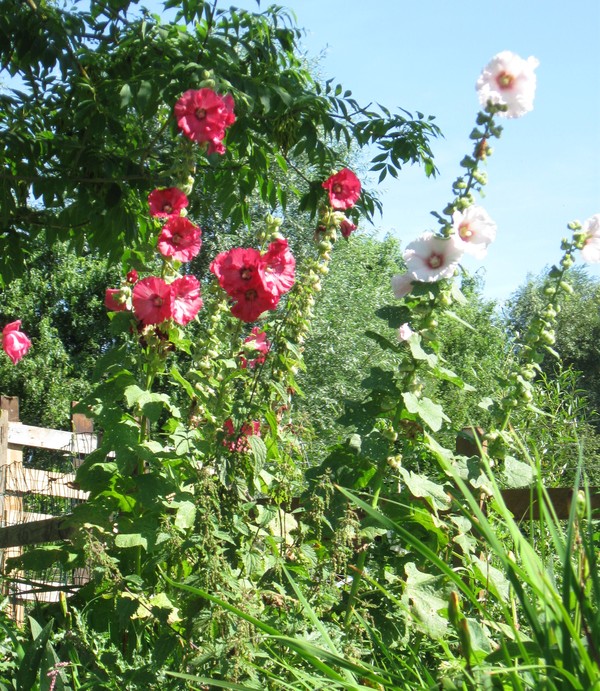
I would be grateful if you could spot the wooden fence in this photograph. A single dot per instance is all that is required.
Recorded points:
(19, 528)
(18, 480)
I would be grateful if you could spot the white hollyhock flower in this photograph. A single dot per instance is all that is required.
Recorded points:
(590, 251)
(473, 230)
(402, 285)
(508, 80)
(431, 258)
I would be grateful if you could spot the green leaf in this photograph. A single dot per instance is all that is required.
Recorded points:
(186, 515)
(27, 673)
(424, 598)
(125, 95)
(431, 413)
(423, 487)
(127, 540)
(258, 450)
(517, 473)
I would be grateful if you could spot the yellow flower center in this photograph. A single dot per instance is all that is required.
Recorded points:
(465, 232)
(505, 80)
(435, 261)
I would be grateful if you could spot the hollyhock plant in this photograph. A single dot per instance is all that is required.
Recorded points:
(238, 268)
(113, 300)
(343, 188)
(347, 228)
(590, 252)
(187, 300)
(279, 267)
(474, 230)
(203, 116)
(14, 342)
(167, 201)
(239, 442)
(132, 276)
(508, 80)
(180, 239)
(257, 343)
(431, 258)
(152, 301)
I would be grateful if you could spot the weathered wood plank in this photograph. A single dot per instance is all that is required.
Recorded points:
(523, 503)
(55, 439)
(20, 480)
(36, 532)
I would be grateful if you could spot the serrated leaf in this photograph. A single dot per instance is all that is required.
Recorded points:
(517, 473)
(431, 413)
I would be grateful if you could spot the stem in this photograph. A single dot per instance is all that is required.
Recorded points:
(362, 557)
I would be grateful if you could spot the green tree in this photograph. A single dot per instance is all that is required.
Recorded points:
(89, 130)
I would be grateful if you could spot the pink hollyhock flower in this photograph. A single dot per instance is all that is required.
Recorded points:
(405, 332)
(132, 276)
(180, 239)
(344, 189)
(279, 267)
(239, 442)
(508, 80)
(167, 201)
(238, 269)
(203, 116)
(590, 251)
(14, 342)
(152, 300)
(474, 230)
(252, 301)
(402, 285)
(256, 342)
(347, 228)
(431, 258)
(113, 300)
(187, 300)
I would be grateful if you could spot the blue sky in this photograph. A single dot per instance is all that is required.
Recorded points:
(427, 56)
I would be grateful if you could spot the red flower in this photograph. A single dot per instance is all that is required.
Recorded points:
(347, 228)
(152, 301)
(279, 267)
(238, 269)
(132, 276)
(251, 302)
(344, 189)
(14, 342)
(186, 299)
(168, 201)
(256, 342)
(203, 116)
(180, 239)
(239, 442)
(113, 300)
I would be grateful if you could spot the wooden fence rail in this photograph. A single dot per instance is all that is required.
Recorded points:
(20, 527)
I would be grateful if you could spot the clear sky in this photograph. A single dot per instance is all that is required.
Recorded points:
(427, 56)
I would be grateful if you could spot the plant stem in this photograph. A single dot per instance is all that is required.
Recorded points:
(362, 557)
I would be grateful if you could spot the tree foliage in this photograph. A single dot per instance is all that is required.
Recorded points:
(88, 129)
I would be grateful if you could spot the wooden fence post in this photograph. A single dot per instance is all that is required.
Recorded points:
(11, 465)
